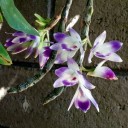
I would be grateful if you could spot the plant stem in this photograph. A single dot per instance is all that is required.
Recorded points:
(64, 17)
(86, 24)
(87, 19)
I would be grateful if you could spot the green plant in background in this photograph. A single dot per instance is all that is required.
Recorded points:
(60, 48)
(15, 19)
(4, 56)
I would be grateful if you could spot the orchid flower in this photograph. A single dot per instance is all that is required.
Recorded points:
(67, 45)
(70, 76)
(105, 51)
(82, 99)
(29, 43)
(103, 72)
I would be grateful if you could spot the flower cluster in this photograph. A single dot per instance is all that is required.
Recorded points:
(66, 46)
(29, 43)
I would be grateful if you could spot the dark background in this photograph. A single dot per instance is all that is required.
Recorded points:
(112, 96)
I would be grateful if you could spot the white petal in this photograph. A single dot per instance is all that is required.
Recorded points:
(72, 65)
(75, 35)
(82, 80)
(109, 47)
(82, 52)
(100, 39)
(73, 99)
(103, 72)
(3, 92)
(114, 57)
(61, 57)
(101, 63)
(58, 83)
(55, 46)
(90, 56)
(73, 22)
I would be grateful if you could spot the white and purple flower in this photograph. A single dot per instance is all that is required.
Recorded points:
(29, 43)
(103, 72)
(82, 99)
(67, 45)
(105, 51)
(70, 76)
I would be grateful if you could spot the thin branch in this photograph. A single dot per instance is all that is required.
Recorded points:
(50, 8)
(65, 14)
(87, 19)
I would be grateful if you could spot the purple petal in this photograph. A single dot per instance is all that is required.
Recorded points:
(69, 83)
(81, 101)
(19, 33)
(87, 93)
(59, 36)
(47, 52)
(109, 75)
(84, 106)
(8, 43)
(64, 46)
(32, 37)
(115, 45)
(22, 39)
(59, 72)
(19, 39)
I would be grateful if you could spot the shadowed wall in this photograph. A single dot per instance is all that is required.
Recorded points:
(112, 96)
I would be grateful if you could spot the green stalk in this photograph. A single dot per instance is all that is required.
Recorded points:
(86, 24)
(65, 13)
(87, 19)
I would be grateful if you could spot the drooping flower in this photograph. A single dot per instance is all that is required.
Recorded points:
(29, 43)
(82, 99)
(67, 45)
(70, 76)
(106, 50)
(103, 72)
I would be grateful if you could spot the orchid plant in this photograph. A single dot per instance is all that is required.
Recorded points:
(62, 49)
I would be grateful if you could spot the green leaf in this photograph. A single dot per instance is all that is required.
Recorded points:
(1, 21)
(41, 19)
(4, 57)
(15, 18)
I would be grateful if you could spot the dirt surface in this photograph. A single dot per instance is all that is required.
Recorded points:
(112, 96)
